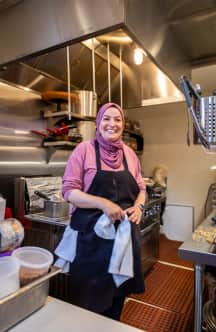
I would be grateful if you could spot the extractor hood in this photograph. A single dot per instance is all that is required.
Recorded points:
(140, 84)
(34, 34)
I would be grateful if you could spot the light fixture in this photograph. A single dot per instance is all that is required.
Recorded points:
(26, 88)
(138, 56)
(21, 132)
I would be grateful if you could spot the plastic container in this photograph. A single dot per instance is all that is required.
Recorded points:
(11, 234)
(34, 263)
(2, 207)
(9, 275)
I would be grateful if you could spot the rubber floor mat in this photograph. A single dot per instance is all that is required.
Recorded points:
(168, 287)
(153, 319)
(169, 252)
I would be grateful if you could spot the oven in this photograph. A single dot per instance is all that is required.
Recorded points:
(150, 233)
(150, 237)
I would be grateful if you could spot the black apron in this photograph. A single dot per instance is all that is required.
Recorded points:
(92, 287)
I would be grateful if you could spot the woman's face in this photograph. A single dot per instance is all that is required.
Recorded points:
(111, 125)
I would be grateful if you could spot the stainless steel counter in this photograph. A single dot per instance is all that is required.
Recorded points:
(58, 316)
(200, 253)
(40, 217)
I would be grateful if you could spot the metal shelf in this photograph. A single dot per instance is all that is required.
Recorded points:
(50, 114)
(60, 143)
(129, 131)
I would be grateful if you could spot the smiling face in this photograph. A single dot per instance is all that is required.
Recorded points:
(111, 125)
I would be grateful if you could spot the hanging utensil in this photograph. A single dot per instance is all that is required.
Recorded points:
(40, 133)
(51, 131)
(64, 129)
(41, 195)
(190, 92)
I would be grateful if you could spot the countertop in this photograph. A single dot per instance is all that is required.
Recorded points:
(58, 316)
(40, 217)
(199, 251)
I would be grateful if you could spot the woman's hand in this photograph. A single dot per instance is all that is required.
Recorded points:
(134, 214)
(113, 211)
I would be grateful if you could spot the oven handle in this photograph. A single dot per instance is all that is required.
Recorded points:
(148, 228)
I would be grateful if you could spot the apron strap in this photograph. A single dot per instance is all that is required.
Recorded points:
(97, 152)
(125, 162)
(98, 161)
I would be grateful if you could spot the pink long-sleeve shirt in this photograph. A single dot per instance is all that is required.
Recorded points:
(81, 168)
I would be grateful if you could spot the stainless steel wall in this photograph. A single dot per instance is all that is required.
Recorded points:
(51, 24)
(21, 151)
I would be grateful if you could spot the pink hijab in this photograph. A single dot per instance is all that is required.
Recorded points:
(111, 152)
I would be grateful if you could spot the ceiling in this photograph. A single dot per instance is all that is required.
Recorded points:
(194, 25)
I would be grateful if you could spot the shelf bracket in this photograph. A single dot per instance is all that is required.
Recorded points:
(49, 152)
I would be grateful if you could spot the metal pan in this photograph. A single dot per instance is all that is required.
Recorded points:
(54, 209)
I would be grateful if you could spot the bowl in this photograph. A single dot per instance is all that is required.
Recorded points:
(34, 263)
(9, 275)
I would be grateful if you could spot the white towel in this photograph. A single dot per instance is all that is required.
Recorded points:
(121, 261)
(66, 250)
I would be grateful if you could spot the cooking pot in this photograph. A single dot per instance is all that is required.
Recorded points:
(54, 209)
(86, 104)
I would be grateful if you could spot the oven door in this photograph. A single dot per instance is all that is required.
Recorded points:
(150, 237)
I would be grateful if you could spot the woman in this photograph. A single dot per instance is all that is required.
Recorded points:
(103, 177)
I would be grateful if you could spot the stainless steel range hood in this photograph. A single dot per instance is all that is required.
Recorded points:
(34, 34)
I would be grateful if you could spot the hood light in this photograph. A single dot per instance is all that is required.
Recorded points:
(138, 56)
(26, 88)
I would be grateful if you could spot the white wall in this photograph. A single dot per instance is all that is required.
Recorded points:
(189, 175)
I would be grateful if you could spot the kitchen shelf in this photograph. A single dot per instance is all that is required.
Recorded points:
(133, 132)
(51, 147)
(50, 114)
(60, 144)
(130, 135)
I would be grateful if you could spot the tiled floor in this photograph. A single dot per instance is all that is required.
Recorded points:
(167, 304)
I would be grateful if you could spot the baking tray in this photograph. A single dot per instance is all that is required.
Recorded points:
(22, 303)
